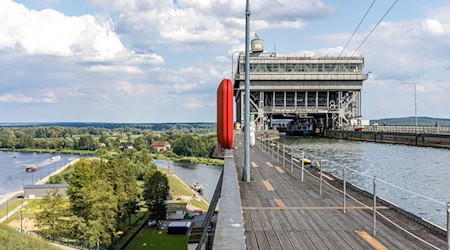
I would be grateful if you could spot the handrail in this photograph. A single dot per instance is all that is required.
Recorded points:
(287, 154)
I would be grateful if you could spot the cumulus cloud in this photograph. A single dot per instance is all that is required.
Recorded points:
(214, 21)
(49, 32)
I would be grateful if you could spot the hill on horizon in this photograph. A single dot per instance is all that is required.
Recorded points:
(412, 121)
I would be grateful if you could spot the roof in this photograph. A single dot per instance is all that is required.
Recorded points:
(180, 224)
(41, 186)
(160, 144)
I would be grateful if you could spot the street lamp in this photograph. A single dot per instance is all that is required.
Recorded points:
(415, 100)
(118, 234)
(232, 63)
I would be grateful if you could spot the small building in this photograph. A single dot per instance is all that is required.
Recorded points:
(126, 145)
(160, 145)
(176, 210)
(179, 227)
(41, 190)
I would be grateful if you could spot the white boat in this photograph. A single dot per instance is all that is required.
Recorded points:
(197, 187)
(56, 158)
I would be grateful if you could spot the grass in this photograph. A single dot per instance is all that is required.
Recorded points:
(11, 207)
(193, 160)
(13, 240)
(155, 239)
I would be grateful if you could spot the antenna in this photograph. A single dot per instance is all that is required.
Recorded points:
(274, 47)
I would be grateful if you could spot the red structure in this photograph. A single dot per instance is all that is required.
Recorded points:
(225, 114)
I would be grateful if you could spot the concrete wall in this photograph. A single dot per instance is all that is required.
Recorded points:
(426, 140)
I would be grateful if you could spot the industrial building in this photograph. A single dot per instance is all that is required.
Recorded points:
(299, 94)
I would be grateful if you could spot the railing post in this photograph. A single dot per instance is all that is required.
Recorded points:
(278, 152)
(344, 188)
(292, 159)
(448, 225)
(321, 178)
(374, 206)
(284, 157)
(303, 164)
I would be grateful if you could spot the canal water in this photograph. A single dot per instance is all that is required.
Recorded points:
(404, 173)
(207, 175)
(13, 164)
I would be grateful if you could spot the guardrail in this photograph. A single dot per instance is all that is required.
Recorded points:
(422, 129)
(294, 159)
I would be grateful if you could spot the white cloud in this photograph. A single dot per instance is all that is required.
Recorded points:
(198, 104)
(214, 21)
(114, 69)
(48, 97)
(49, 32)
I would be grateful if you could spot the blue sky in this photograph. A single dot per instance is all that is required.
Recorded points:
(161, 60)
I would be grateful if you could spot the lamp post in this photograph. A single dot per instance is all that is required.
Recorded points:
(246, 174)
(415, 101)
(118, 234)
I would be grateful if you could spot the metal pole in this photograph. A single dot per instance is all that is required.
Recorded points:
(448, 225)
(246, 175)
(344, 189)
(21, 219)
(415, 103)
(321, 178)
(292, 160)
(284, 153)
(303, 164)
(278, 152)
(374, 206)
(7, 208)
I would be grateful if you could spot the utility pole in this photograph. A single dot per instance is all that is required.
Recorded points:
(246, 174)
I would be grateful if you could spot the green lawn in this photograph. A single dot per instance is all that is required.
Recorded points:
(13, 240)
(11, 207)
(154, 239)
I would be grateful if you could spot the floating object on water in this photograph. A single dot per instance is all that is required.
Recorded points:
(31, 168)
(197, 187)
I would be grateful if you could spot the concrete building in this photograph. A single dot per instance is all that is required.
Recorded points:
(304, 92)
(176, 210)
(39, 191)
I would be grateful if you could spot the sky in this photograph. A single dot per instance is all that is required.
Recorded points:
(162, 60)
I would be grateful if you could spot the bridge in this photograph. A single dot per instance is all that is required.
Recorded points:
(288, 205)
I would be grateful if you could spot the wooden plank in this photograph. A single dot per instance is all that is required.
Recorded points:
(268, 186)
(371, 240)
(280, 203)
(281, 171)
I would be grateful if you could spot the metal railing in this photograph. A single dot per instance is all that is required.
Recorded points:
(295, 159)
(422, 129)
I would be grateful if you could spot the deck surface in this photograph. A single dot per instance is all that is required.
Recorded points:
(281, 212)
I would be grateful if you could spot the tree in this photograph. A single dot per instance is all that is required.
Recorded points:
(156, 192)
(186, 145)
(51, 218)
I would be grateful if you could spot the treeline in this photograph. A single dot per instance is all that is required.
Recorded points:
(103, 140)
(192, 127)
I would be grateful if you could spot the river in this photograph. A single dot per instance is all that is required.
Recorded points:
(421, 170)
(207, 175)
(13, 164)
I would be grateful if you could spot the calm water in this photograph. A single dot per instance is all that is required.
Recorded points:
(422, 170)
(207, 175)
(13, 164)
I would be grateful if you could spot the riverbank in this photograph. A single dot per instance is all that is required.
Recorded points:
(50, 151)
(192, 160)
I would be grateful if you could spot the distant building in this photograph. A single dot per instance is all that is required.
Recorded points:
(176, 210)
(39, 191)
(126, 145)
(161, 145)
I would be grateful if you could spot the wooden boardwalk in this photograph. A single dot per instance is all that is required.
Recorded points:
(281, 212)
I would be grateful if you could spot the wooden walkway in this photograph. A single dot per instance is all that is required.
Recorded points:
(281, 212)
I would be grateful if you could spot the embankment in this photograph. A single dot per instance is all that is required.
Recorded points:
(422, 139)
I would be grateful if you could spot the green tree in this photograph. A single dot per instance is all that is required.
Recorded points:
(156, 192)
(186, 145)
(51, 219)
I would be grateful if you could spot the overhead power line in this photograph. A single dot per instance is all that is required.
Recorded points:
(370, 33)
(357, 27)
